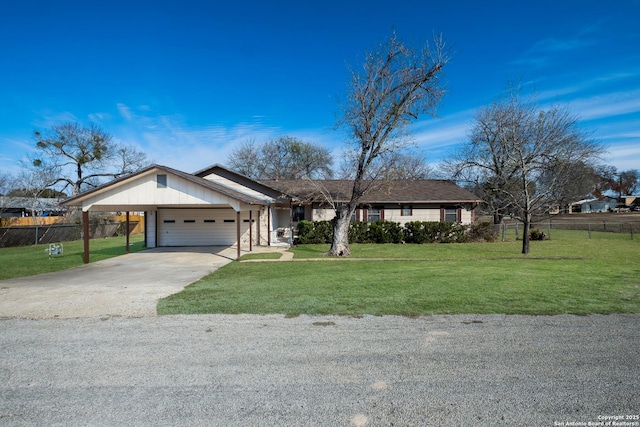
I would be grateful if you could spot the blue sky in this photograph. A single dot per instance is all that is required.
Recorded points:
(188, 80)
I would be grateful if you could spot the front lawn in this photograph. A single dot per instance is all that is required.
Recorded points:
(30, 260)
(570, 274)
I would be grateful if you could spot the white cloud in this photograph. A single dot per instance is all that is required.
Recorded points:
(124, 111)
(607, 105)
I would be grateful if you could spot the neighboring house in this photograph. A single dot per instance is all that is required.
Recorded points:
(218, 207)
(594, 205)
(11, 207)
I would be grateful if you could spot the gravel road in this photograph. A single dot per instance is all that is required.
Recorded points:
(251, 370)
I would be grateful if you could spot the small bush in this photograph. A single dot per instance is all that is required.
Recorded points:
(385, 232)
(482, 232)
(434, 232)
(536, 234)
(314, 232)
(358, 232)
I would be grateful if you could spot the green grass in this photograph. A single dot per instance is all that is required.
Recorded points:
(263, 255)
(569, 274)
(30, 260)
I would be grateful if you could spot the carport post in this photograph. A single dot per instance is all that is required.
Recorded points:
(126, 224)
(85, 235)
(238, 231)
(250, 231)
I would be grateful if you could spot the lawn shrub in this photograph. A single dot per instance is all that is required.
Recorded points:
(358, 232)
(318, 232)
(385, 232)
(482, 232)
(536, 234)
(314, 232)
(434, 232)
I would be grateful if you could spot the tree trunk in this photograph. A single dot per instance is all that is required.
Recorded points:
(525, 233)
(340, 243)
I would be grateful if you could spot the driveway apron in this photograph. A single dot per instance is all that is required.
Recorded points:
(128, 285)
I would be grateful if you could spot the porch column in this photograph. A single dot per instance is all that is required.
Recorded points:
(126, 224)
(238, 231)
(258, 226)
(250, 231)
(85, 235)
(269, 226)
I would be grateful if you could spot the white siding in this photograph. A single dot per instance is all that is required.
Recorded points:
(431, 214)
(144, 191)
(394, 213)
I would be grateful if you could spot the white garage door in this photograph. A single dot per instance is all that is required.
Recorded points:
(196, 227)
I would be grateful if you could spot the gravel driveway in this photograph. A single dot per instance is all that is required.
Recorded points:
(221, 370)
(128, 285)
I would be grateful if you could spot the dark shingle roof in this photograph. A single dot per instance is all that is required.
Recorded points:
(401, 191)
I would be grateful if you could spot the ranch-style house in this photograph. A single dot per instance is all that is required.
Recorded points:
(219, 207)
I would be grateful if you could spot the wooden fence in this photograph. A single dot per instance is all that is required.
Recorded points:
(30, 221)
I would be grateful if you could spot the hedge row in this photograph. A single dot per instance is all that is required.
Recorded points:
(392, 232)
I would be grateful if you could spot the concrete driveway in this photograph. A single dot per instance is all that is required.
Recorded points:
(128, 285)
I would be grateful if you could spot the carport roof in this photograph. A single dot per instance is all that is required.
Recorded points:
(242, 197)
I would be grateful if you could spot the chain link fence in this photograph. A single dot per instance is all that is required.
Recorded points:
(54, 233)
(590, 229)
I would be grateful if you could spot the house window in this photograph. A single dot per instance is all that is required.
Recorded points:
(450, 214)
(297, 213)
(161, 179)
(406, 210)
(374, 214)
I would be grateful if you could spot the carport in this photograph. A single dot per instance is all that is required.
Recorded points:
(182, 209)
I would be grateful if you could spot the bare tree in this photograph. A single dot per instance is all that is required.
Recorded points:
(285, 157)
(245, 159)
(397, 165)
(396, 85)
(32, 183)
(6, 185)
(83, 155)
(622, 182)
(524, 155)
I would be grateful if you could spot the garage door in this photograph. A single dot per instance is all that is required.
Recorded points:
(196, 227)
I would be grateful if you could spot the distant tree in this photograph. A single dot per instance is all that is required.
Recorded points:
(625, 183)
(396, 85)
(622, 183)
(5, 183)
(83, 155)
(32, 183)
(397, 165)
(577, 183)
(285, 157)
(524, 155)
